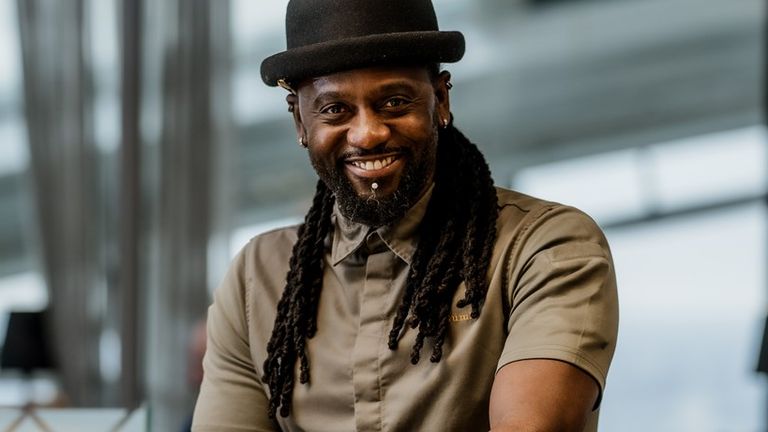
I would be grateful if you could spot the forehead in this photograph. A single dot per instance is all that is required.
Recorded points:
(368, 79)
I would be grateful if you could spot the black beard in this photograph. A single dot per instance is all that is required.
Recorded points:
(373, 211)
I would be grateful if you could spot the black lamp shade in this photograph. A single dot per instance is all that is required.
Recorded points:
(26, 346)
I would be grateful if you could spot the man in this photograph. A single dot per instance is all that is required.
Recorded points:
(408, 251)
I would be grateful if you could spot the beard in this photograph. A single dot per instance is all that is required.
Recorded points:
(376, 211)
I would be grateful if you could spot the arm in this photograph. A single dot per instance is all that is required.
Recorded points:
(562, 326)
(232, 396)
(541, 395)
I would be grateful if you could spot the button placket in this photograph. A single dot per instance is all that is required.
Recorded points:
(365, 356)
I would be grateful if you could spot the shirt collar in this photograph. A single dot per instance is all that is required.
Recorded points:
(400, 237)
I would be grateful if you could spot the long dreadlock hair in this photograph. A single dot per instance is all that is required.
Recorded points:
(456, 239)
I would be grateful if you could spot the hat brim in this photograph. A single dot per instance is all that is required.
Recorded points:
(325, 58)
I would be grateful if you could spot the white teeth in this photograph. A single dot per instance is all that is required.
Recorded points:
(374, 165)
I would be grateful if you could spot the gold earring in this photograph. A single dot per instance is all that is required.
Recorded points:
(284, 84)
(445, 123)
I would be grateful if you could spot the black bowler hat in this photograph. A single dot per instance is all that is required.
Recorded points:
(327, 36)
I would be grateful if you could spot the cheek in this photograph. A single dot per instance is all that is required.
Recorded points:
(419, 130)
(324, 141)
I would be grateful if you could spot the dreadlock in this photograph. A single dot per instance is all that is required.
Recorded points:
(456, 239)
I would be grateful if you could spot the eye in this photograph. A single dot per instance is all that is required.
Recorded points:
(395, 102)
(334, 109)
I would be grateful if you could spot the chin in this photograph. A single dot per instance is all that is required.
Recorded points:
(385, 190)
(396, 193)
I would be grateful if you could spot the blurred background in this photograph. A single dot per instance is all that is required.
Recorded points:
(139, 150)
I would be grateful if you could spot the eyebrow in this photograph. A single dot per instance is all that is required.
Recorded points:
(398, 86)
(324, 97)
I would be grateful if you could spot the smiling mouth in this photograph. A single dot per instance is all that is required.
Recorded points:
(375, 164)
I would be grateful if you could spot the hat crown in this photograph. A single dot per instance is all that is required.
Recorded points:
(329, 36)
(310, 22)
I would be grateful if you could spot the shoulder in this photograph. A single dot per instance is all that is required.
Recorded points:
(274, 237)
(255, 283)
(559, 285)
(273, 246)
(511, 199)
(530, 228)
(536, 220)
(260, 265)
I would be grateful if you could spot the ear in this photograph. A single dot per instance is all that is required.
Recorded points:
(442, 87)
(293, 107)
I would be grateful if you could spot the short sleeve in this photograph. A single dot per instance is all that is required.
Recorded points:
(562, 294)
(232, 397)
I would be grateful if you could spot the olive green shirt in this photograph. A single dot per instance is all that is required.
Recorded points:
(552, 294)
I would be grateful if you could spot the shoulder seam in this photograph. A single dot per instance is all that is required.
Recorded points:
(274, 230)
(524, 230)
(506, 271)
(517, 206)
(247, 290)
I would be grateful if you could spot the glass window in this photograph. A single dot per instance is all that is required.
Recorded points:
(10, 70)
(686, 222)
(711, 168)
(692, 295)
(607, 186)
(656, 179)
(242, 235)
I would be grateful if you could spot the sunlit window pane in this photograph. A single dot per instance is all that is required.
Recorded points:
(10, 70)
(14, 154)
(710, 168)
(21, 292)
(606, 186)
(254, 101)
(252, 21)
(242, 235)
(692, 295)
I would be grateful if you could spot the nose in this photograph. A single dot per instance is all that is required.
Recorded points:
(367, 130)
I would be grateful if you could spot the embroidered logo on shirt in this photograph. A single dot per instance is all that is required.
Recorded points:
(460, 317)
